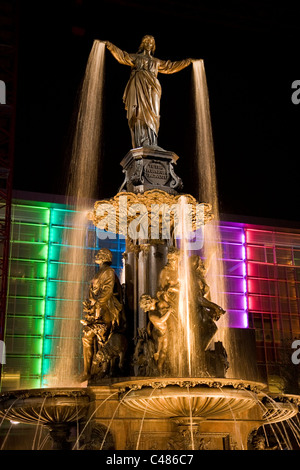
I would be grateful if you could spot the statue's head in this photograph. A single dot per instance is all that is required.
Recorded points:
(147, 302)
(173, 257)
(148, 44)
(103, 256)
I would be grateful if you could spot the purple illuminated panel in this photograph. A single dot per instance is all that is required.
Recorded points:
(235, 273)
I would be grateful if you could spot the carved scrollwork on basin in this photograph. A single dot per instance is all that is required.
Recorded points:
(184, 382)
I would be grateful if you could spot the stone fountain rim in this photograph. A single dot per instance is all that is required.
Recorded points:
(51, 392)
(135, 383)
(284, 398)
(170, 397)
(171, 392)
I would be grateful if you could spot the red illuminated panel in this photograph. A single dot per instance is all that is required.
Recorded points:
(263, 237)
(261, 270)
(260, 303)
(262, 286)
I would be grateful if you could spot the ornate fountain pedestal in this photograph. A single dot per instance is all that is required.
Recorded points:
(149, 168)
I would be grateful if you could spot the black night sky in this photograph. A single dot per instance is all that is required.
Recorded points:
(251, 55)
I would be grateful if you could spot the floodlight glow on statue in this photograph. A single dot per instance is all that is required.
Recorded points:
(143, 91)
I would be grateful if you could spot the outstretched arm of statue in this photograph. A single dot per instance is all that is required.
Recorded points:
(166, 66)
(122, 56)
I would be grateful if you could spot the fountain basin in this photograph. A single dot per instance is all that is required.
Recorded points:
(280, 407)
(203, 398)
(55, 408)
(45, 406)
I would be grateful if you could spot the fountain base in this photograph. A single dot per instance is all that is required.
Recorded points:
(161, 413)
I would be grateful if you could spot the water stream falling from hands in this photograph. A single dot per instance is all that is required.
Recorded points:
(208, 193)
(81, 189)
(186, 337)
(185, 342)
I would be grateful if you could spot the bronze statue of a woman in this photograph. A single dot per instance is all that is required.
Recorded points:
(143, 91)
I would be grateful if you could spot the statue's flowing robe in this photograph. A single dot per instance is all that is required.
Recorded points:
(143, 90)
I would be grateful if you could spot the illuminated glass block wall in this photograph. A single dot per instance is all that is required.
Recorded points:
(34, 304)
(26, 303)
(273, 284)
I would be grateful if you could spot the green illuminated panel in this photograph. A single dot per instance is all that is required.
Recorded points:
(31, 214)
(25, 366)
(36, 251)
(25, 268)
(23, 323)
(25, 306)
(33, 233)
(25, 345)
(58, 253)
(27, 293)
(62, 217)
(63, 235)
(26, 287)
(59, 290)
